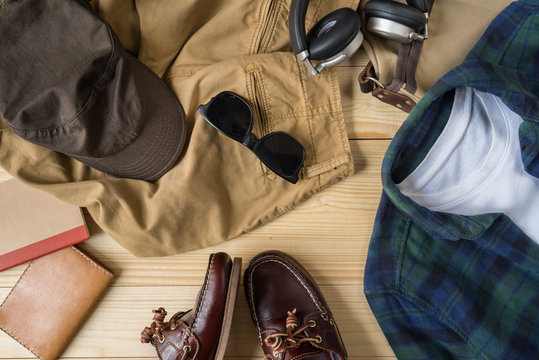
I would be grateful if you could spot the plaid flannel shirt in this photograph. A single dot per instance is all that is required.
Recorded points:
(445, 286)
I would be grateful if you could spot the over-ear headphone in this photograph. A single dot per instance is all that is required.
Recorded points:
(332, 40)
(397, 21)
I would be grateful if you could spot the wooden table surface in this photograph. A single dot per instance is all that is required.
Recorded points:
(329, 234)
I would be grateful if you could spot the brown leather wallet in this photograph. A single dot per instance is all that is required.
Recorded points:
(51, 299)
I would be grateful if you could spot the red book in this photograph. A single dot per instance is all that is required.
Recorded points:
(34, 223)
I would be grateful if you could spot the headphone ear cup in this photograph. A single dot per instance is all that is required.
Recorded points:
(333, 33)
(420, 5)
(397, 12)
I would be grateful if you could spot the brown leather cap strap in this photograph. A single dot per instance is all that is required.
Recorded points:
(399, 77)
(366, 78)
(390, 97)
(405, 71)
(407, 63)
(369, 83)
(406, 67)
(412, 53)
(411, 67)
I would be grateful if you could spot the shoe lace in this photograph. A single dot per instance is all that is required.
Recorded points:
(281, 342)
(154, 332)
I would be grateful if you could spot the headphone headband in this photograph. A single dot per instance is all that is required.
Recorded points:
(332, 40)
(296, 26)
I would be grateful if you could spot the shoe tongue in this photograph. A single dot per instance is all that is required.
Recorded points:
(188, 317)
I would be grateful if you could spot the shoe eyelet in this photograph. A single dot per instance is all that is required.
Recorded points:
(312, 323)
(187, 349)
(318, 339)
(174, 325)
(162, 339)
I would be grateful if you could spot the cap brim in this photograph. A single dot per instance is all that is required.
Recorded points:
(161, 138)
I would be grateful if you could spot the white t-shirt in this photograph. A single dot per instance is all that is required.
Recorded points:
(475, 166)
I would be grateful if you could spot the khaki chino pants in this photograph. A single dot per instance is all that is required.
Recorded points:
(218, 189)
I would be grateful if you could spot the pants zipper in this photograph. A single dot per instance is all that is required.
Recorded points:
(266, 30)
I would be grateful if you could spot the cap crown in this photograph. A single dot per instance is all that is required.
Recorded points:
(64, 78)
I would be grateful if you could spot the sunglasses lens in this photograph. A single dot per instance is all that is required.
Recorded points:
(281, 153)
(230, 115)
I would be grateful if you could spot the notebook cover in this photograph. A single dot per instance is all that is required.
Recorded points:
(35, 223)
(51, 299)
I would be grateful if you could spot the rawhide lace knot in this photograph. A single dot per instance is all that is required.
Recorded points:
(154, 331)
(281, 342)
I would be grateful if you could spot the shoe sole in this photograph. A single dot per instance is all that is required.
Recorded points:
(232, 292)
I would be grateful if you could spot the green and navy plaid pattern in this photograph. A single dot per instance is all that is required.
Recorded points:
(446, 286)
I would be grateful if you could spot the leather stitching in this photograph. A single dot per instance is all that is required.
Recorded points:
(178, 350)
(309, 353)
(206, 282)
(194, 345)
(17, 284)
(158, 352)
(289, 267)
(22, 343)
(332, 331)
(5, 300)
(92, 262)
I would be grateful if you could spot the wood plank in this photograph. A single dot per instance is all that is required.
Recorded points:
(334, 225)
(113, 329)
(328, 234)
(226, 357)
(365, 116)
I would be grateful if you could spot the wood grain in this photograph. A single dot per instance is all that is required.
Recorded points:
(330, 230)
(329, 234)
(227, 357)
(365, 116)
(113, 329)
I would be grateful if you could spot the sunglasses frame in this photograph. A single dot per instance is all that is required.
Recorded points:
(249, 140)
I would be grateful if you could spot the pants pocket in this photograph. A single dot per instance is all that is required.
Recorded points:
(257, 94)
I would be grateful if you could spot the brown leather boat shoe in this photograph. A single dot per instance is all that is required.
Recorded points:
(290, 314)
(202, 332)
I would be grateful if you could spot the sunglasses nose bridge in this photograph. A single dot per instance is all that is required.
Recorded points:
(249, 141)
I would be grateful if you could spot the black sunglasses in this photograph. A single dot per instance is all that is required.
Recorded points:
(233, 116)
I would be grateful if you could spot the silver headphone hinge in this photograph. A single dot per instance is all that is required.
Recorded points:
(304, 58)
(425, 35)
